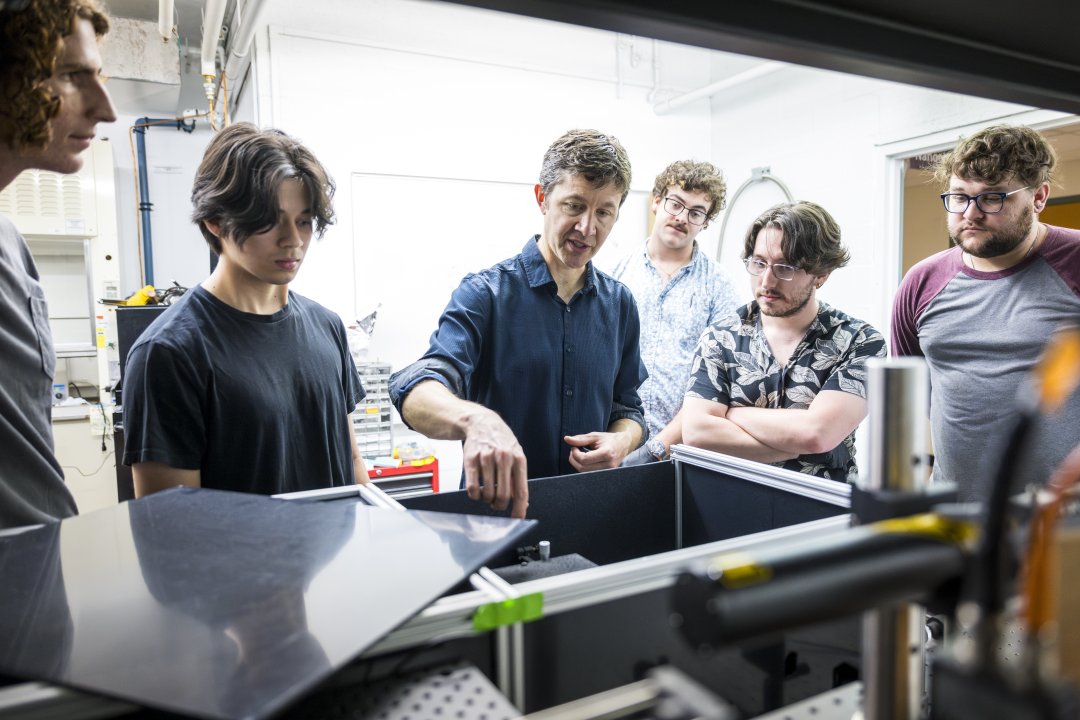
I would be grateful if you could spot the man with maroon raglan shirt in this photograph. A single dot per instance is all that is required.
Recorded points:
(982, 311)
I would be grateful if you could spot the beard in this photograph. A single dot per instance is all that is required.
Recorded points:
(1002, 241)
(793, 306)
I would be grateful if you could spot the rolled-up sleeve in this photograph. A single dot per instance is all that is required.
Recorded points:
(455, 348)
(626, 402)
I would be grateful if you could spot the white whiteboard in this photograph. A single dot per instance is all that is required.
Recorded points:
(415, 238)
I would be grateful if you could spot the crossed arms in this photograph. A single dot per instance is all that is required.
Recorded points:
(772, 434)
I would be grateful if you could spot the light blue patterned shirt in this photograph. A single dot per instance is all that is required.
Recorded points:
(673, 317)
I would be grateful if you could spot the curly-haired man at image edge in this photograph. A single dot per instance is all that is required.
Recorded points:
(243, 384)
(785, 381)
(535, 363)
(680, 291)
(982, 311)
(52, 98)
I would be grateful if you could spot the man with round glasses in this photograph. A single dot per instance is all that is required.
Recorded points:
(982, 311)
(679, 290)
(784, 381)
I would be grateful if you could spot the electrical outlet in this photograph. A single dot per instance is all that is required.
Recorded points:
(59, 393)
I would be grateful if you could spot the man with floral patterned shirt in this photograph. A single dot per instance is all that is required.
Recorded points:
(679, 291)
(785, 383)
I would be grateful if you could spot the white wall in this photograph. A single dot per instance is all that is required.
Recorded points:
(172, 156)
(822, 133)
(433, 118)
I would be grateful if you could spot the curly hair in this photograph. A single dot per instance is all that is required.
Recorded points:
(811, 236)
(599, 158)
(238, 180)
(693, 176)
(995, 154)
(30, 43)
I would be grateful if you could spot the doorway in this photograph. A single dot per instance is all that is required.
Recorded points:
(923, 221)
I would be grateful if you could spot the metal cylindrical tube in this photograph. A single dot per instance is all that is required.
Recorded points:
(745, 596)
(545, 550)
(899, 394)
(893, 657)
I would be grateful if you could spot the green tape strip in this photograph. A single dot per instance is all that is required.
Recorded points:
(507, 612)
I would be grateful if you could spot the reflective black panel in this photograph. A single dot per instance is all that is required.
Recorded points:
(220, 604)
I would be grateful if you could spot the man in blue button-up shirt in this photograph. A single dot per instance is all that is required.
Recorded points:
(535, 362)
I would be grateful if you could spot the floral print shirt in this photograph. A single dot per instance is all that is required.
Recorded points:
(734, 365)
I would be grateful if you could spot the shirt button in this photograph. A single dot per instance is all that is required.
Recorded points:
(569, 348)
(569, 393)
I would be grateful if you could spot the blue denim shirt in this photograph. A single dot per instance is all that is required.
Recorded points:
(549, 368)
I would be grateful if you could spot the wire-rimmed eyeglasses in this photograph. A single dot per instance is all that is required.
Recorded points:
(675, 208)
(987, 202)
(756, 266)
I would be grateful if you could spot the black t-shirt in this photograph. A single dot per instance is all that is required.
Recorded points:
(257, 403)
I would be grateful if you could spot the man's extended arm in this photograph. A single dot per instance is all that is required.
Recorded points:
(494, 463)
(705, 425)
(831, 417)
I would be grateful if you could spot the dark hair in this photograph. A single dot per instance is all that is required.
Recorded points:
(996, 153)
(811, 236)
(237, 183)
(693, 176)
(599, 158)
(30, 43)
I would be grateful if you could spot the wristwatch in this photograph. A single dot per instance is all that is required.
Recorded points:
(656, 447)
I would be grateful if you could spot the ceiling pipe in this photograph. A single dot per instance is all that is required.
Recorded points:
(758, 71)
(165, 19)
(213, 18)
(245, 32)
(244, 35)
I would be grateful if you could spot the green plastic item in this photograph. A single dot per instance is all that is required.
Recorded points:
(507, 612)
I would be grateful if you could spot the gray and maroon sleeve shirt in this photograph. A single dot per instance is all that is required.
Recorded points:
(981, 334)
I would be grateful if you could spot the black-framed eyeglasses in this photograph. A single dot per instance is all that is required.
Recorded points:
(675, 208)
(755, 266)
(987, 202)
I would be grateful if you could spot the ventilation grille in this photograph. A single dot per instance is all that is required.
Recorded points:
(40, 202)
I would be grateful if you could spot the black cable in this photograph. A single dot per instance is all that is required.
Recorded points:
(169, 295)
(988, 569)
(104, 419)
(77, 469)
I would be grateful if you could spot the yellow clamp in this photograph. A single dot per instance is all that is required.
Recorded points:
(931, 525)
(739, 570)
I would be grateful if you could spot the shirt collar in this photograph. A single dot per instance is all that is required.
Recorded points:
(536, 269)
(818, 326)
(695, 256)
